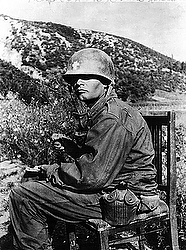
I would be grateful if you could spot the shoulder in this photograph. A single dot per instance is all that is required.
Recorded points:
(118, 108)
(129, 117)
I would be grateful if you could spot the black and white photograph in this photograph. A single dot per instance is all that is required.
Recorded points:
(92, 125)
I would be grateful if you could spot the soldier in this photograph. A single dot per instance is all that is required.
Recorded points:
(113, 161)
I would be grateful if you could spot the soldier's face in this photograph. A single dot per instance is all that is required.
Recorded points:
(89, 89)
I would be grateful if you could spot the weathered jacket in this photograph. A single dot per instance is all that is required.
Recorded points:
(119, 149)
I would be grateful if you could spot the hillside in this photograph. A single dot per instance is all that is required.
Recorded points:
(34, 55)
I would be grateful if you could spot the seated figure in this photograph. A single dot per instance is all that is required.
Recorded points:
(111, 170)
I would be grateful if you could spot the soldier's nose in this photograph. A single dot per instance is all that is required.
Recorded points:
(80, 82)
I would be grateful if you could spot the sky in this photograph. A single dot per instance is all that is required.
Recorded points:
(157, 24)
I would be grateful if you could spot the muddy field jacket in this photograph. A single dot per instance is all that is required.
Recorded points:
(117, 149)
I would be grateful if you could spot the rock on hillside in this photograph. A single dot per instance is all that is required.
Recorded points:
(41, 51)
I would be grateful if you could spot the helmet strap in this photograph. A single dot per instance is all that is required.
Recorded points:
(109, 89)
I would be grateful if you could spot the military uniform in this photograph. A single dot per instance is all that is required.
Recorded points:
(117, 150)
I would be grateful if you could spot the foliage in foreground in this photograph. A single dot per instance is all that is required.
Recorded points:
(26, 130)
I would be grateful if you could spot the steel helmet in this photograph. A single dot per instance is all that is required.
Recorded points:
(90, 61)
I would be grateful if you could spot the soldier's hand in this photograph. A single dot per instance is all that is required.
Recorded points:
(64, 142)
(52, 173)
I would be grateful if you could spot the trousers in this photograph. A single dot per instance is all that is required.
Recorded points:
(32, 203)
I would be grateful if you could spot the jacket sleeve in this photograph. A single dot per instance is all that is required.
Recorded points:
(111, 143)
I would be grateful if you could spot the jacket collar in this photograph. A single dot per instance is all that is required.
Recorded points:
(99, 105)
(86, 118)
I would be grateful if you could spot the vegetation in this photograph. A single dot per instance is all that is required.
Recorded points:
(44, 49)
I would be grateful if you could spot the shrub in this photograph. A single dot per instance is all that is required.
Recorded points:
(25, 130)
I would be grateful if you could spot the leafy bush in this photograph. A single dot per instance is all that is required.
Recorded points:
(25, 130)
